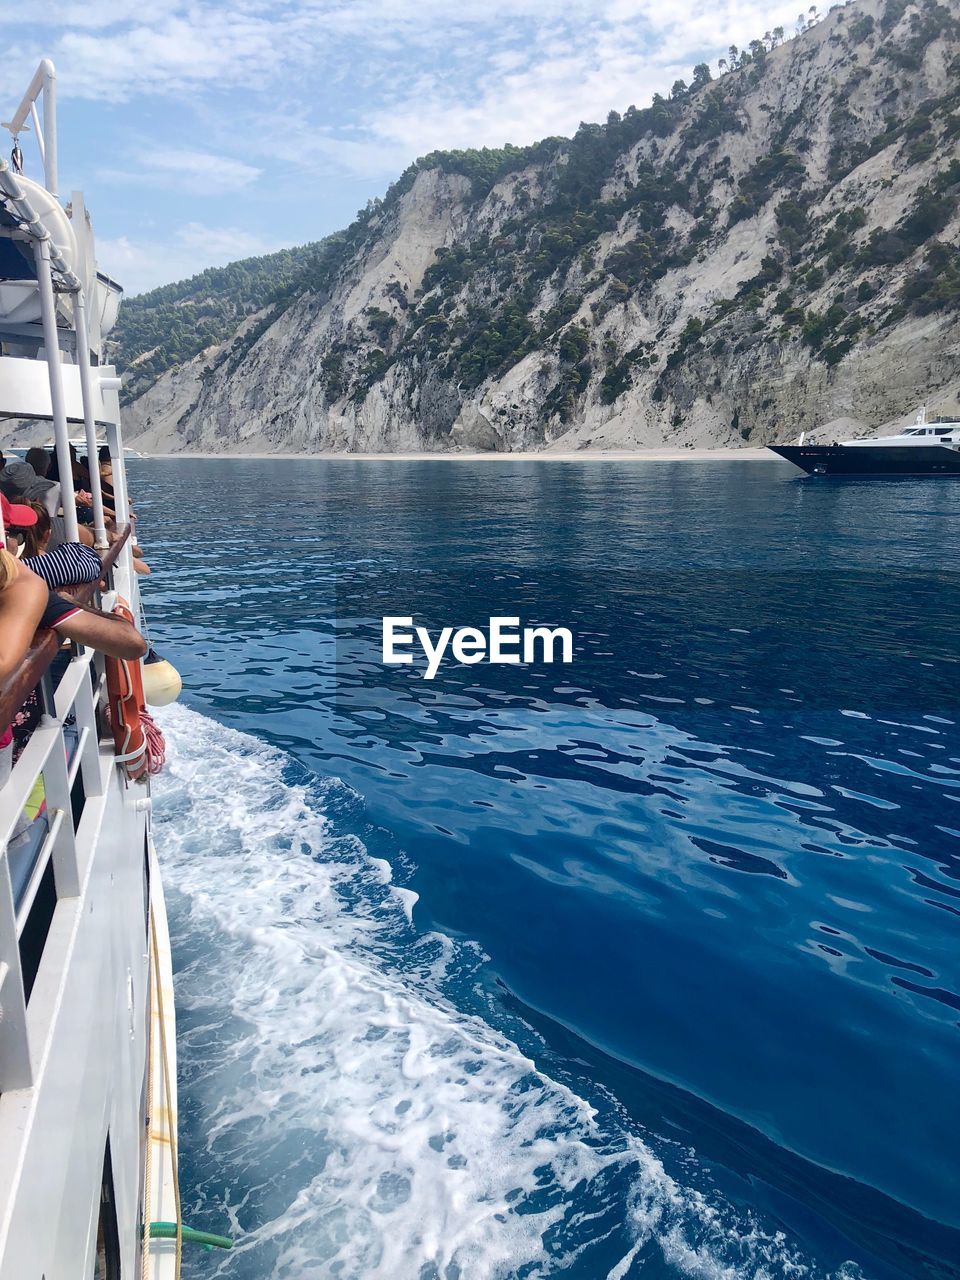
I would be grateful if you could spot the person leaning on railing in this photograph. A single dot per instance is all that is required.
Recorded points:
(23, 597)
(106, 632)
(81, 485)
(26, 480)
(67, 564)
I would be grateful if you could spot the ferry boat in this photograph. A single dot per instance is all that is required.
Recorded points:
(88, 1104)
(925, 449)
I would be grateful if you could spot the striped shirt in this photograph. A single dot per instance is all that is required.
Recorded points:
(70, 564)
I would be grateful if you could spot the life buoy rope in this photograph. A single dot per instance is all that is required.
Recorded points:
(156, 747)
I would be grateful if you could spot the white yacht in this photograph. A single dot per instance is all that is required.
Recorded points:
(924, 449)
(88, 1105)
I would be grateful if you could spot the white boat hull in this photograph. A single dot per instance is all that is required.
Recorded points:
(88, 1033)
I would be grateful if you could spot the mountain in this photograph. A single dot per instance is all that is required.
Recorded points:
(756, 255)
(161, 329)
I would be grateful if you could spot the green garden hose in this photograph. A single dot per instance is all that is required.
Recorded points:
(168, 1231)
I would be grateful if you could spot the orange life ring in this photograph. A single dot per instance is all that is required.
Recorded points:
(125, 697)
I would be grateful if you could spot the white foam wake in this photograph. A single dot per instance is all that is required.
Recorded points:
(352, 1122)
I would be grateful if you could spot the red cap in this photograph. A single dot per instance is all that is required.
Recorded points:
(17, 515)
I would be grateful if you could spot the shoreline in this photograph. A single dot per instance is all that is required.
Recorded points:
(584, 455)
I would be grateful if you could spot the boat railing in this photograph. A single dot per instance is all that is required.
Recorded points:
(44, 850)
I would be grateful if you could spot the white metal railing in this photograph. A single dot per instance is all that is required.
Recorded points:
(63, 752)
(44, 757)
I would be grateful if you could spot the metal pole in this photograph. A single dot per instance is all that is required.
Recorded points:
(38, 130)
(120, 505)
(48, 316)
(89, 426)
(50, 126)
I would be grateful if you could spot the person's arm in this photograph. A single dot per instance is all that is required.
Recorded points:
(104, 632)
(84, 498)
(21, 605)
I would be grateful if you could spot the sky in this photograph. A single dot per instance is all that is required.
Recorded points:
(202, 131)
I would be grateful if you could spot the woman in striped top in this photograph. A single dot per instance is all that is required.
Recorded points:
(70, 564)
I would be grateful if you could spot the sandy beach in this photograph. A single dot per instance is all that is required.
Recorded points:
(585, 455)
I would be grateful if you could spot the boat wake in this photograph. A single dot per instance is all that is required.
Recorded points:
(340, 1111)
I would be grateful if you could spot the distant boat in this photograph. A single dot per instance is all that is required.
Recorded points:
(925, 449)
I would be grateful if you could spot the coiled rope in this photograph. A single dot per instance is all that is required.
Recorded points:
(156, 747)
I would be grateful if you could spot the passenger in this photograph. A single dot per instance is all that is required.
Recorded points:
(23, 598)
(54, 467)
(22, 601)
(27, 480)
(139, 564)
(84, 501)
(39, 459)
(106, 632)
(58, 533)
(81, 486)
(105, 463)
(81, 476)
(68, 564)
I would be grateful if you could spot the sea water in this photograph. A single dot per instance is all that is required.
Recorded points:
(642, 965)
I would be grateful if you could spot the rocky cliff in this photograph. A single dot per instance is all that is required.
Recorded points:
(760, 254)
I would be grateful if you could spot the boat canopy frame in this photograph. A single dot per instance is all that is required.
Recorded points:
(55, 275)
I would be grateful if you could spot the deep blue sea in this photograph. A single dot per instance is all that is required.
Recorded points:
(648, 965)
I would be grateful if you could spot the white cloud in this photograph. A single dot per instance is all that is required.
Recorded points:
(115, 52)
(192, 172)
(563, 77)
(205, 50)
(309, 91)
(140, 265)
(509, 71)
